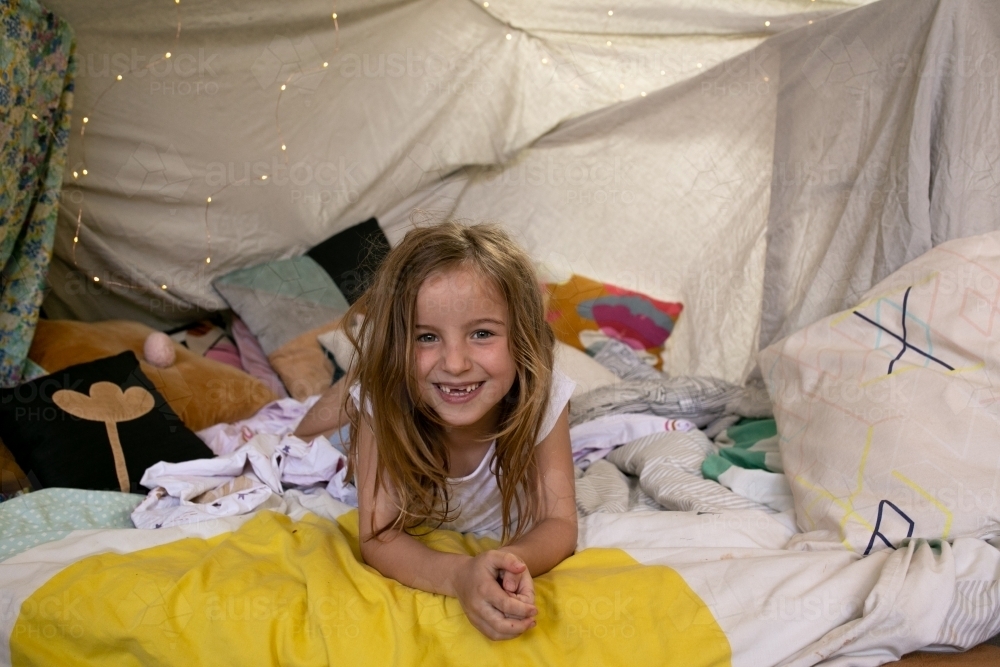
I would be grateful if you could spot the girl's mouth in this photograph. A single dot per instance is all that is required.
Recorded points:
(458, 393)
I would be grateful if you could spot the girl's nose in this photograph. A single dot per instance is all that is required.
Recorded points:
(456, 359)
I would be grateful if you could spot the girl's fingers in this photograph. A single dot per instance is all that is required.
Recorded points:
(496, 626)
(504, 560)
(512, 606)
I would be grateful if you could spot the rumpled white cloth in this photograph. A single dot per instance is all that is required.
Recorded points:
(241, 481)
(279, 417)
(595, 439)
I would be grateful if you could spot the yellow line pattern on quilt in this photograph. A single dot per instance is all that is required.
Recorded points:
(847, 504)
(934, 501)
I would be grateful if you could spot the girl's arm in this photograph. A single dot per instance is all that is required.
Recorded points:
(553, 538)
(403, 558)
(326, 415)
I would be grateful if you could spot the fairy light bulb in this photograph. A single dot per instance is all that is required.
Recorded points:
(84, 172)
(767, 24)
(76, 239)
(509, 36)
(118, 78)
(34, 116)
(167, 54)
(163, 287)
(264, 177)
(611, 12)
(208, 260)
(334, 16)
(96, 279)
(326, 64)
(282, 86)
(283, 147)
(208, 201)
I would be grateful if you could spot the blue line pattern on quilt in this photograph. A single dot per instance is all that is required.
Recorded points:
(878, 524)
(903, 339)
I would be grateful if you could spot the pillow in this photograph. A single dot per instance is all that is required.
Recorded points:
(303, 366)
(580, 308)
(253, 359)
(97, 425)
(201, 391)
(281, 301)
(582, 369)
(889, 413)
(206, 339)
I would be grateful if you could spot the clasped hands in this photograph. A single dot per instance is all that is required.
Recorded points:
(497, 594)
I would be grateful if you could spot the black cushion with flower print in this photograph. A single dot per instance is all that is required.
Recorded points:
(97, 425)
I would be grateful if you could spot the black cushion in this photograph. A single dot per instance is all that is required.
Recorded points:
(352, 257)
(56, 448)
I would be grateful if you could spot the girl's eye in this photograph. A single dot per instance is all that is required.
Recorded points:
(426, 338)
(482, 334)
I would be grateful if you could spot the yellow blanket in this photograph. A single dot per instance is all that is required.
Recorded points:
(278, 591)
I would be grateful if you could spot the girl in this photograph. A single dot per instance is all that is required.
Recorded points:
(465, 424)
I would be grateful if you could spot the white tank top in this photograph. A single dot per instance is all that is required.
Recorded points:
(476, 496)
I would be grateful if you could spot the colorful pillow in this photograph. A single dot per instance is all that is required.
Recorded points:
(583, 311)
(254, 360)
(205, 338)
(281, 301)
(202, 391)
(889, 413)
(97, 425)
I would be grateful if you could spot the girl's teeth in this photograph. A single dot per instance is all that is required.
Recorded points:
(460, 390)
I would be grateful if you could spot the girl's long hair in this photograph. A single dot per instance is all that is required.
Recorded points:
(412, 459)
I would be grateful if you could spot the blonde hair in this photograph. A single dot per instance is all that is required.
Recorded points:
(412, 457)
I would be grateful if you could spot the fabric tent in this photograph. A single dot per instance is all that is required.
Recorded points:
(633, 144)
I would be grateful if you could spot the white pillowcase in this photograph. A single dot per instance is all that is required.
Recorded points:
(882, 441)
(582, 369)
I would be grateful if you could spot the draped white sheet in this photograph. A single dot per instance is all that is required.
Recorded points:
(423, 101)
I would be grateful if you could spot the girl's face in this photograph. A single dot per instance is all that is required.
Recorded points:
(463, 362)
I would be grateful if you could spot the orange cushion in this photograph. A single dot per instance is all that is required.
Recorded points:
(302, 364)
(12, 478)
(201, 391)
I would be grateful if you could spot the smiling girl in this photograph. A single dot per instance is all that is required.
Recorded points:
(465, 423)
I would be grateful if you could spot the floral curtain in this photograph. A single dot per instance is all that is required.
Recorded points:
(36, 94)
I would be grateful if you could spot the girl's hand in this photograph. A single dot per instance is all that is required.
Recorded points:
(518, 583)
(498, 612)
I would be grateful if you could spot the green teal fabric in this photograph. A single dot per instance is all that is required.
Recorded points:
(36, 94)
(51, 514)
(282, 300)
(749, 431)
(744, 435)
(713, 466)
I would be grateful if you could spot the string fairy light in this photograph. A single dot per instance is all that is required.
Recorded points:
(82, 171)
(298, 75)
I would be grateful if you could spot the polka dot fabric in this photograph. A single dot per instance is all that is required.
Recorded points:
(51, 514)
